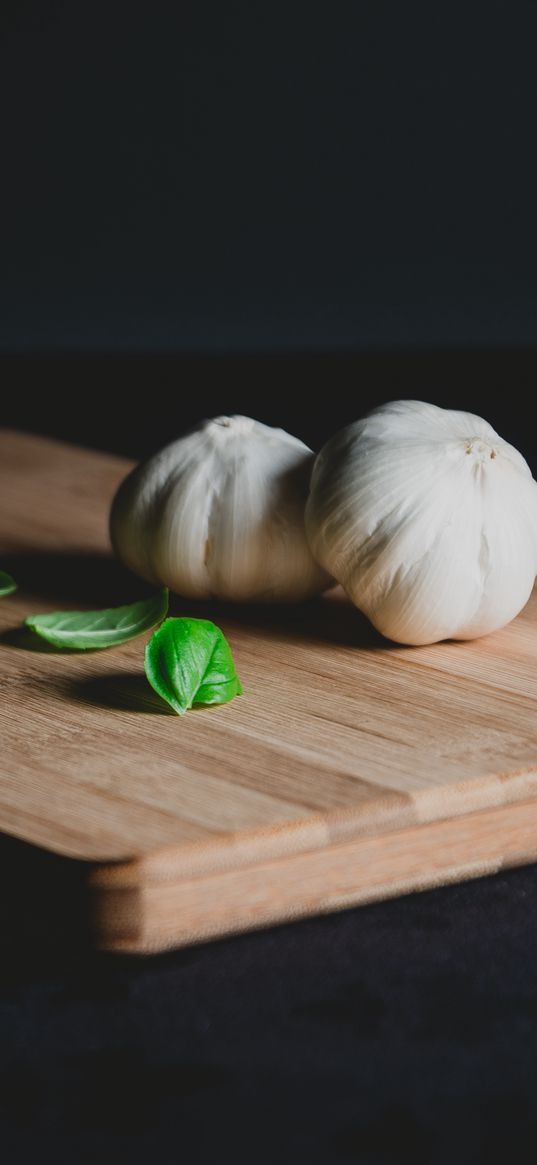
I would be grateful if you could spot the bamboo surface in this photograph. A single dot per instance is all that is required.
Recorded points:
(350, 769)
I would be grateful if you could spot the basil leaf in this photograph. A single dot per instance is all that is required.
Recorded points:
(7, 584)
(87, 630)
(189, 661)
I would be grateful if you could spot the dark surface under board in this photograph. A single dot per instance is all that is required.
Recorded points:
(401, 1033)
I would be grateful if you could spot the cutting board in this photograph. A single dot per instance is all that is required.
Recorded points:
(350, 770)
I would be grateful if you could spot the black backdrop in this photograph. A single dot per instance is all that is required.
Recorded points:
(212, 207)
(202, 175)
(209, 207)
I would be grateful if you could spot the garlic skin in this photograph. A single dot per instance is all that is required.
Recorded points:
(220, 513)
(428, 519)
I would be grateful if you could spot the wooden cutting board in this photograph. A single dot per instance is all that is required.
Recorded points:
(350, 770)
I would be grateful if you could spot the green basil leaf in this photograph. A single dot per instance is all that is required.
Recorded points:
(88, 630)
(189, 661)
(7, 584)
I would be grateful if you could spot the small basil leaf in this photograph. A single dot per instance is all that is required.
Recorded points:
(7, 584)
(88, 630)
(189, 661)
(218, 693)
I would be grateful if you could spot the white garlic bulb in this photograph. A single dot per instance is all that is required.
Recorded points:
(220, 513)
(428, 519)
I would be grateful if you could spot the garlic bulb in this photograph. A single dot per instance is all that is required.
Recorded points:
(220, 513)
(428, 519)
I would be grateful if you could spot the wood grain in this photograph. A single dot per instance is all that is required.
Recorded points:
(349, 769)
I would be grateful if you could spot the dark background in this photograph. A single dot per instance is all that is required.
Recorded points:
(255, 176)
(212, 207)
(292, 210)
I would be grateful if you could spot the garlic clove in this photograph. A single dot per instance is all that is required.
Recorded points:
(220, 513)
(428, 519)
